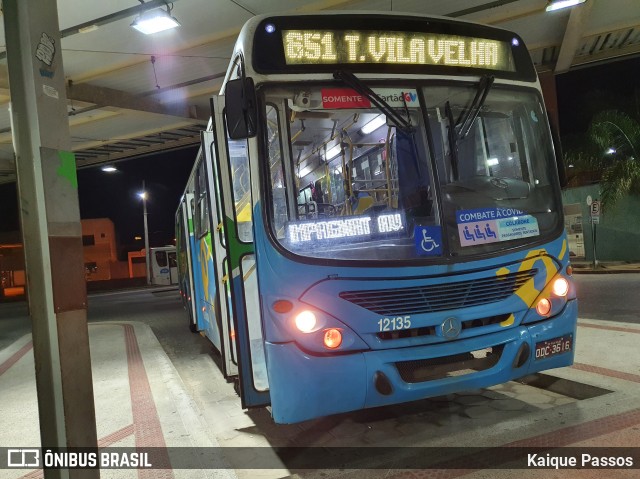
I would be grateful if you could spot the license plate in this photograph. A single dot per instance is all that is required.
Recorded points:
(551, 347)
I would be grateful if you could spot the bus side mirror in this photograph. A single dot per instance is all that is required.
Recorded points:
(241, 108)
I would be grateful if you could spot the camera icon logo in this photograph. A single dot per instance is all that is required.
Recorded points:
(23, 457)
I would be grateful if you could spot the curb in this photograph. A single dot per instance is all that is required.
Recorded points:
(605, 271)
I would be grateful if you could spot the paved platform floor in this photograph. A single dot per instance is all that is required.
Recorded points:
(141, 400)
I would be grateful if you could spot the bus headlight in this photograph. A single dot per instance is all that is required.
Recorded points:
(311, 328)
(543, 307)
(305, 321)
(332, 338)
(560, 287)
(551, 300)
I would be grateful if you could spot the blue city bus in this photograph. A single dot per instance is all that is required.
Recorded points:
(376, 215)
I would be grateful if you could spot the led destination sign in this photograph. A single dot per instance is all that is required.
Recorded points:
(309, 47)
(328, 231)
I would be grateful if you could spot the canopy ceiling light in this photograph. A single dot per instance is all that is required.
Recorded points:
(154, 21)
(558, 4)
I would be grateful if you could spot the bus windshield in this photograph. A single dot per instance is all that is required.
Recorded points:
(464, 178)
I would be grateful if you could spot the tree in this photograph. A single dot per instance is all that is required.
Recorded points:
(610, 151)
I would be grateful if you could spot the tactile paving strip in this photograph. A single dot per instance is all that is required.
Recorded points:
(146, 425)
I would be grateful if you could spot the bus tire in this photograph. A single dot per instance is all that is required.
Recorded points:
(193, 327)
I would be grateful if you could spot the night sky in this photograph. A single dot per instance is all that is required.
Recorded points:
(585, 91)
(115, 196)
(580, 94)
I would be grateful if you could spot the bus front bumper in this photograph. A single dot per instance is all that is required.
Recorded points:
(304, 386)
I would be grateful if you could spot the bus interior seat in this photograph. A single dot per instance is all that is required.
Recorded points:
(364, 203)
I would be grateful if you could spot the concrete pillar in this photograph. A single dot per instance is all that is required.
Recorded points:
(548, 85)
(52, 235)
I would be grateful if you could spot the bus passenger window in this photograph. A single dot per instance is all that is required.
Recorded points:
(202, 203)
(173, 262)
(241, 178)
(278, 186)
(161, 258)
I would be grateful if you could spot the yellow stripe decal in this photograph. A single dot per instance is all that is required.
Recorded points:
(508, 322)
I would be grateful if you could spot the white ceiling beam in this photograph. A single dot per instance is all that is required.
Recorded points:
(573, 35)
(102, 96)
(609, 54)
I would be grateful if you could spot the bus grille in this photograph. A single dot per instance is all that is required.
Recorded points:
(432, 330)
(439, 297)
(422, 370)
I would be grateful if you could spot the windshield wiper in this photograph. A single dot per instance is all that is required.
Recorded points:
(354, 82)
(460, 129)
(472, 113)
(452, 136)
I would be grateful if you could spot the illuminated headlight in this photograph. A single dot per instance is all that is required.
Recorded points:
(305, 321)
(332, 338)
(543, 307)
(310, 328)
(551, 300)
(560, 287)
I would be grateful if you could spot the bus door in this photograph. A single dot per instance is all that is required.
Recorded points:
(237, 197)
(160, 272)
(186, 273)
(220, 260)
(164, 266)
(173, 267)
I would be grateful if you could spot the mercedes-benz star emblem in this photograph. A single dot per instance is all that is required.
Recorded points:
(451, 328)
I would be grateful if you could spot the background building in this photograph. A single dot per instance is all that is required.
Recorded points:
(100, 258)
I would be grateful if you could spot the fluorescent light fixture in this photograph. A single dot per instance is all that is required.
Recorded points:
(90, 28)
(109, 169)
(304, 172)
(558, 4)
(333, 152)
(492, 162)
(154, 21)
(374, 124)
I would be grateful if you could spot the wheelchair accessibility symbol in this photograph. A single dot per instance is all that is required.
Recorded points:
(428, 243)
(428, 240)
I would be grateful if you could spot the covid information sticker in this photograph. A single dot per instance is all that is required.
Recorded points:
(490, 225)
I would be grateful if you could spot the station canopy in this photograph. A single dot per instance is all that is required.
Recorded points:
(131, 94)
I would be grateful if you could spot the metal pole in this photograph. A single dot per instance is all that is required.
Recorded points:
(593, 230)
(146, 233)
